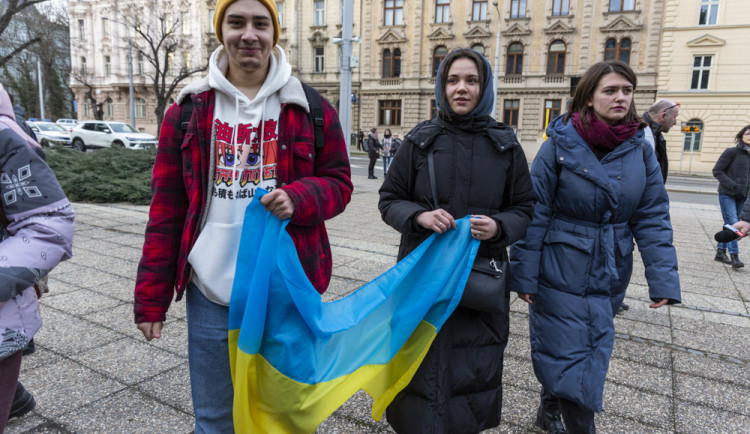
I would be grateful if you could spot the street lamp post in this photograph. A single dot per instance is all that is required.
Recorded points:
(497, 63)
(41, 92)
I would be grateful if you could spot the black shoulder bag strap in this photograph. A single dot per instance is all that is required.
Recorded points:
(431, 168)
(316, 112)
(186, 114)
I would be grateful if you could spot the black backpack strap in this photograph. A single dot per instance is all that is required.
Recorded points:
(187, 113)
(433, 183)
(316, 113)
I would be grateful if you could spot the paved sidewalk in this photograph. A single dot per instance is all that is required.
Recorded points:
(677, 369)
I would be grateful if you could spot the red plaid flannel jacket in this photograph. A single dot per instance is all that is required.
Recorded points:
(317, 180)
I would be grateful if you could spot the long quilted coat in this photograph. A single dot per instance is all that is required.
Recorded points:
(577, 255)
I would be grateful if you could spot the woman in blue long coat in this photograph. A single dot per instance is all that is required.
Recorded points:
(599, 187)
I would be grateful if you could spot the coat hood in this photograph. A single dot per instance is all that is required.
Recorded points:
(8, 118)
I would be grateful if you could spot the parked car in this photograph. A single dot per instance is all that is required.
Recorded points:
(105, 134)
(68, 124)
(48, 133)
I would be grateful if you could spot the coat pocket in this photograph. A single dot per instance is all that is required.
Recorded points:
(304, 160)
(566, 261)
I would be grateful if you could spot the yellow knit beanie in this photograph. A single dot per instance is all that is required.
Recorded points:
(221, 7)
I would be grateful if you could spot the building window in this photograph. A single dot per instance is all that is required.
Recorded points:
(556, 58)
(691, 142)
(560, 7)
(280, 9)
(517, 8)
(83, 66)
(319, 13)
(479, 10)
(479, 48)
(394, 12)
(433, 109)
(442, 11)
(621, 5)
(437, 56)
(390, 112)
(318, 59)
(551, 110)
(170, 61)
(701, 72)
(510, 112)
(140, 108)
(139, 65)
(110, 109)
(107, 66)
(186, 60)
(514, 63)
(185, 23)
(392, 63)
(709, 10)
(211, 13)
(619, 51)
(81, 30)
(105, 27)
(86, 108)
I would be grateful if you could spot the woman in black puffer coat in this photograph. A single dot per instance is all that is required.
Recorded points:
(480, 169)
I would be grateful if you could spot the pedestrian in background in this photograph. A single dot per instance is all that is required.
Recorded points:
(732, 169)
(373, 151)
(396, 144)
(36, 234)
(387, 148)
(481, 171)
(599, 186)
(249, 130)
(661, 117)
(360, 139)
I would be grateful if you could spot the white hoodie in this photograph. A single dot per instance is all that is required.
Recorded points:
(237, 121)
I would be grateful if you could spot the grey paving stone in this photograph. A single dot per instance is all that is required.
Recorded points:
(31, 423)
(642, 353)
(66, 386)
(644, 407)
(730, 342)
(640, 376)
(86, 277)
(121, 289)
(643, 330)
(519, 346)
(82, 302)
(128, 412)
(66, 334)
(691, 418)
(518, 372)
(356, 273)
(357, 408)
(712, 393)
(519, 406)
(128, 360)
(607, 422)
(171, 387)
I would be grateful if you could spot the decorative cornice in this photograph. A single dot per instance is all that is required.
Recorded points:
(516, 30)
(477, 32)
(621, 24)
(706, 41)
(318, 38)
(391, 37)
(559, 27)
(440, 34)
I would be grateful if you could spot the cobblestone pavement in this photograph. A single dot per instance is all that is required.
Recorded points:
(678, 369)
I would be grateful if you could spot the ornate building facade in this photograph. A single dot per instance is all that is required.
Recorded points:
(545, 45)
(704, 66)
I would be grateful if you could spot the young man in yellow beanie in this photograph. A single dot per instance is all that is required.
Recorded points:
(249, 128)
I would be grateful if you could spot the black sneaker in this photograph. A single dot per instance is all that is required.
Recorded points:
(23, 402)
(550, 420)
(721, 256)
(30, 348)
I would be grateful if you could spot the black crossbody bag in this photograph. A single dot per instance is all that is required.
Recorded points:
(486, 289)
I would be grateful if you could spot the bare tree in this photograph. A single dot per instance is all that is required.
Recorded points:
(86, 79)
(14, 44)
(158, 36)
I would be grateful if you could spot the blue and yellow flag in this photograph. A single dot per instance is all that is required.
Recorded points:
(295, 359)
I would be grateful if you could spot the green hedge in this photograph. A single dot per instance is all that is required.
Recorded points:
(105, 175)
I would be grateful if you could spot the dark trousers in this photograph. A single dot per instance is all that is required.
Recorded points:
(10, 367)
(371, 167)
(578, 419)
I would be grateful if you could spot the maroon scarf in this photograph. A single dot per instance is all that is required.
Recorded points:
(602, 135)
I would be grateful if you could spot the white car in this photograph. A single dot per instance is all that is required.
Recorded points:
(48, 133)
(68, 124)
(105, 134)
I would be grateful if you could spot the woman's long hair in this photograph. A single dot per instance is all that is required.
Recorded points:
(587, 86)
(485, 78)
(739, 135)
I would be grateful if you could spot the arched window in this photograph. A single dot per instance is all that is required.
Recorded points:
(83, 66)
(479, 48)
(391, 63)
(692, 141)
(556, 58)
(514, 63)
(437, 56)
(620, 51)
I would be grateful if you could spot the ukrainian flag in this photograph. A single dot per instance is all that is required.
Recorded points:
(296, 359)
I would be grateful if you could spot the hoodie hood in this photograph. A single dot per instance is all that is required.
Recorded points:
(8, 118)
(484, 106)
